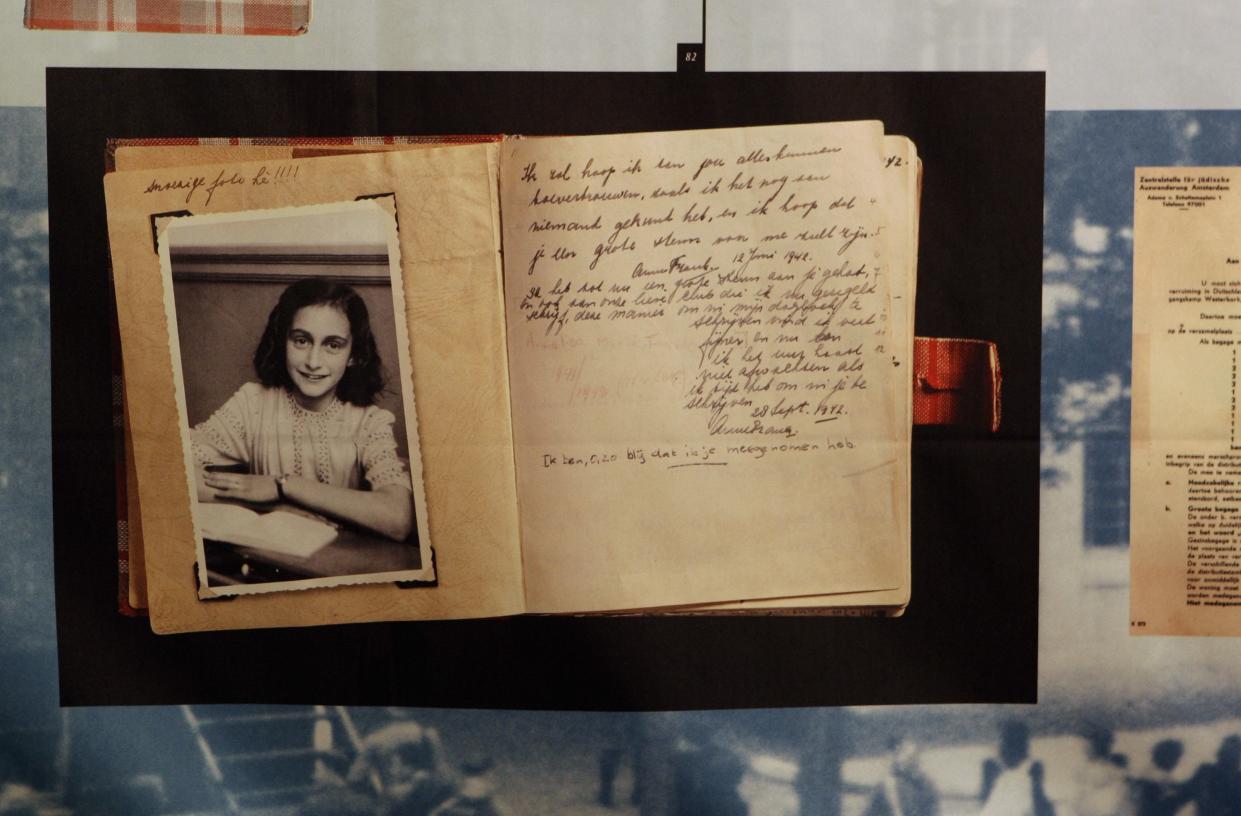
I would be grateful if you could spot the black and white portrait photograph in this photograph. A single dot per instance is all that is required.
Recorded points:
(298, 422)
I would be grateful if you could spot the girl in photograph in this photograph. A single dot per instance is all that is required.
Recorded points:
(309, 432)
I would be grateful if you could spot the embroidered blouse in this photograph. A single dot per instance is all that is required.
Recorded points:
(267, 430)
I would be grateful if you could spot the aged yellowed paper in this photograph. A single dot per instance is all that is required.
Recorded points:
(701, 361)
(902, 189)
(1186, 446)
(448, 217)
(158, 156)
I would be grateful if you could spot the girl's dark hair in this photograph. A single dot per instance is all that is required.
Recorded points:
(363, 378)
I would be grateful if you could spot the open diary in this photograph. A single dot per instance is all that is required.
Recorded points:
(639, 373)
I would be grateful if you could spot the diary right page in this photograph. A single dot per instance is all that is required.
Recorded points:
(701, 370)
(902, 182)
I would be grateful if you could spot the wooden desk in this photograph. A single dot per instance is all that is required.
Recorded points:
(352, 552)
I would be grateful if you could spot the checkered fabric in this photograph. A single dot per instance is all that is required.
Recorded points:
(272, 17)
(956, 382)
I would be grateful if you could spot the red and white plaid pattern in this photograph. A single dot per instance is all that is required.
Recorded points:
(956, 382)
(279, 17)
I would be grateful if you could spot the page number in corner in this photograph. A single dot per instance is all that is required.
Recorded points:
(690, 58)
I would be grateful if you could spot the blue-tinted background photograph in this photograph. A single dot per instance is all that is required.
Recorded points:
(1124, 725)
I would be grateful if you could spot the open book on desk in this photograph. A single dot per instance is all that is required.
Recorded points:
(278, 531)
(654, 372)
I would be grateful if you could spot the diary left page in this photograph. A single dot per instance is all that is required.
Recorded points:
(330, 394)
(158, 154)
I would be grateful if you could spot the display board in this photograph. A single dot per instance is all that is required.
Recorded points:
(973, 623)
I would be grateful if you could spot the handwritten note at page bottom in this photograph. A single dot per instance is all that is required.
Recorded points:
(699, 343)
